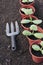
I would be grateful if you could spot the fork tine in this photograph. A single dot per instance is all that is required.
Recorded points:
(7, 28)
(17, 27)
(12, 27)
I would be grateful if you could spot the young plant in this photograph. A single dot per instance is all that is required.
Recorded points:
(33, 28)
(25, 21)
(27, 11)
(27, 1)
(38, 48)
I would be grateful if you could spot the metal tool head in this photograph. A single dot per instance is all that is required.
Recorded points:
(12, 28)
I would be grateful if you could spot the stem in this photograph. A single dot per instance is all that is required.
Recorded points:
(27, 0)
(33, 32)
(41, 50)
(30, 19)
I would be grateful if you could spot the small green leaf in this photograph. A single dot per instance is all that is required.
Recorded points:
(37, 21)
(24, 21)
(42, 52)
(27, 1)
(27, 33)
(27, 11)
(31, 0)
(41, 43)
(35, 47)
(33, 27)
(24, 1)
(38, 35)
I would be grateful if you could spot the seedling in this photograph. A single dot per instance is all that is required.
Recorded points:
(25, 21)
(27, 1)
(33, 28)
(36, 47)
(27, 11)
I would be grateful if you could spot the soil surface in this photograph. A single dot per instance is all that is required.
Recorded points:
(9, 11)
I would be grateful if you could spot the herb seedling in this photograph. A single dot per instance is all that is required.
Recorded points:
(25, 21)
(27, 11)
(38, 48)
(33, 28)
(27, 1)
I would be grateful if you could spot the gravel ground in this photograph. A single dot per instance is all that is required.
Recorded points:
(9, 11)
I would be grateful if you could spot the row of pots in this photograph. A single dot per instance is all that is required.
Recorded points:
(36, 59)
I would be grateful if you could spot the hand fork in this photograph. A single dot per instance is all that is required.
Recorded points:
(12, 34)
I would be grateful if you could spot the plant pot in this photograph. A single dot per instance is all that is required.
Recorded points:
(23, 15)
(32, 39)
(26, 28)
(29, 4)
(35, 58)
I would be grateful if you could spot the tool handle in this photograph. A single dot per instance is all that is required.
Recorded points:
(13, 47)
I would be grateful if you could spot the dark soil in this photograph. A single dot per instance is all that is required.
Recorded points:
(36, 53)
(22, 12)
(27, 24)
(9, 11)
(32, 37)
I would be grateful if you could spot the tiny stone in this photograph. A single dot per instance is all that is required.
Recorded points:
(9, 46)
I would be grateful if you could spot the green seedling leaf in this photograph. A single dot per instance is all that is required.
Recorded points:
(38, 35)
(26, 33)
(33, 27)
(27, 1)
(27, 11)
(35, 47)
(31, 0)
(41, 43)
(42, 52)
(24, 21)
(37, 21)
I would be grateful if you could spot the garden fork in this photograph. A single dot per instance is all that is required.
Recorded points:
(12, 33)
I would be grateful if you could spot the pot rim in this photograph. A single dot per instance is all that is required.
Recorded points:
(32, 40)
(39, 29)
(30, 16)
